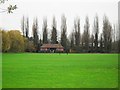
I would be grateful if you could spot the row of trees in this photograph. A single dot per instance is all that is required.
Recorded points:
(104, 42)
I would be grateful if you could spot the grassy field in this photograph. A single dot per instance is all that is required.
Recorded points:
(35, 70)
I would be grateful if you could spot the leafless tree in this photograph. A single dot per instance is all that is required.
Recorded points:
(86, 33)
(9, 9)
(107, 28)
(54, 32)
(45, 32)
(96, 32)
(64, 32)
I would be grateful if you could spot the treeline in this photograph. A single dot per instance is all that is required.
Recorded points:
(76, 42)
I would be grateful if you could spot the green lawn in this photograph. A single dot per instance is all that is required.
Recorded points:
(35, 70)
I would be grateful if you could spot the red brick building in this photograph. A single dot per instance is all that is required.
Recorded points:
(52, 48)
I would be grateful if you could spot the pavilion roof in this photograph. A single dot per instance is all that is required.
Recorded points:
(52, 46)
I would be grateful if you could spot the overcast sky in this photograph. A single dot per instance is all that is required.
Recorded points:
(49, 8)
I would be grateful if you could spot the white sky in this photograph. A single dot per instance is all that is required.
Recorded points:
(50, 8)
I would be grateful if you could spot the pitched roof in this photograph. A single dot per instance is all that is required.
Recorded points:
(52, 46)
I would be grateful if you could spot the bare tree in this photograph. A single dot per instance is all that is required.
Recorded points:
(64, 32)
(96, 32)
(27, 27)
(54, 32)
(114, 45)
(86, 34)
(9, 9)
(23, 25)
(78, 27)
(77, 33)
(107, 28)
(45, 32)
(92, 43)
(72, 40)
(101, 43)
(35, 33)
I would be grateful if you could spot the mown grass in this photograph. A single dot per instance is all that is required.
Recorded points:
(0, 70)
(35, 70)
